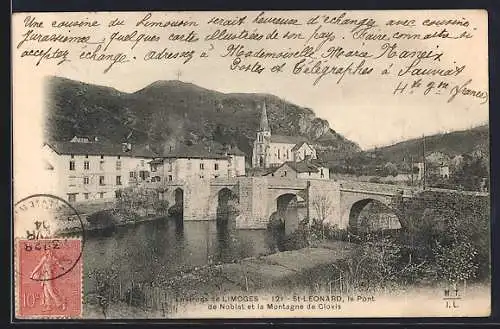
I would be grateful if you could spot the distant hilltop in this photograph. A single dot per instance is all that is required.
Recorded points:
(451, 144)
(170, 113)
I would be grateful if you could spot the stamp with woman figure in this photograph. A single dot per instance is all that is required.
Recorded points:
(46, 289)
(48, 248)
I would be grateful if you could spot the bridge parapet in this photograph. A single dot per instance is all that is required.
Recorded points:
(387, 189)
(223, 181)
(286, 183)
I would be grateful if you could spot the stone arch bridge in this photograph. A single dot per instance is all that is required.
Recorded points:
(258, 199)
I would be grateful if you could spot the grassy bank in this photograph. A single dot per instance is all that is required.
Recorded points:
(282, 271)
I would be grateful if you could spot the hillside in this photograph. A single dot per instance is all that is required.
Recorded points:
(451, 144)
(169, 113)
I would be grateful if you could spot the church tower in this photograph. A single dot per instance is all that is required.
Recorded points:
(261, 144)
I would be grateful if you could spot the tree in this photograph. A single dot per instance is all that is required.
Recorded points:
(470, 173)
(390, 169)
(323, 207)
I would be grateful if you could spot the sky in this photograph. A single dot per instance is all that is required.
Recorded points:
(363, 109)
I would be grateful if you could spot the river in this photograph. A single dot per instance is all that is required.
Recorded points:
(142, 251)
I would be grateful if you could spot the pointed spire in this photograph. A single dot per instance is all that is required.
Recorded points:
(264, 124)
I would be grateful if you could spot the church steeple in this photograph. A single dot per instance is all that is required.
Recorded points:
(264, 124)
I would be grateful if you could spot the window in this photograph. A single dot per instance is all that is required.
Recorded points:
(143, 174)
(118, 194)
(309, 173)
(119, 157)
(101, 165)
(72, 165)
(86, 180)
(169, 178)
(86, 156)
(102, 156)
(216, 176)
(278, 153)
(72, 197)
(287, 154)
(216, 166)
(72, 156)
(202, 166)
(132, 174)
(86, 196)
(170, 166)
(201, 176)
(284, 173)
(142, 163)
(72, 181)
(322, 173)
(118, 180)
(101, 195)
(101, 180)
(86, 165)
(118, 165)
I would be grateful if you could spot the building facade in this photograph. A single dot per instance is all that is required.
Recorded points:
(84, 170)
(274, 150)
(197, 162)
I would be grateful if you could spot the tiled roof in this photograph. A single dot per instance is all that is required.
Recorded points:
(302, 166)
(200, 151)
(100, 149)
(287, 139)
(298, 146)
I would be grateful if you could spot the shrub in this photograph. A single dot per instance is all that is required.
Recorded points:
(375, 179)
(457, 262)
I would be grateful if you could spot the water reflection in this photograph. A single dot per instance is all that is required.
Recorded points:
(167, 245)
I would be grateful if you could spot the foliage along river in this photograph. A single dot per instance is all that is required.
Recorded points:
(145, 250)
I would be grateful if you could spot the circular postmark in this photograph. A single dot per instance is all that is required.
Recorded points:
(49, 231)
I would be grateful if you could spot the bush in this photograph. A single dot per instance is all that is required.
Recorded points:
(450, 232)
(103, 218)
(376, 264)
(457, 262)
(161, 207)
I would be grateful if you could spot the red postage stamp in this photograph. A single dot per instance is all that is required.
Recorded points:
(49, 278)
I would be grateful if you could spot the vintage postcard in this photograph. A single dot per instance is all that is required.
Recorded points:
(251, 164)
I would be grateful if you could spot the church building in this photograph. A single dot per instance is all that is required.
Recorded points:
(274, 150)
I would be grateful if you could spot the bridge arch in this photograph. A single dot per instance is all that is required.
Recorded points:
(285, 212)
(177, 207)
(227, 206)
(370, 214)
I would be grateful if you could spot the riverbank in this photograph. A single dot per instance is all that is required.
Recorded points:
(113, 220)
(282, 271)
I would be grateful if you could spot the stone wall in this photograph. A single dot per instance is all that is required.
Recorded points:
(197, 200)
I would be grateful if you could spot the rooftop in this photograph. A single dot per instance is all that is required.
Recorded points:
(309, 165)
(203, 152)
(96, 148)
(303, 166)
(287, 139)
